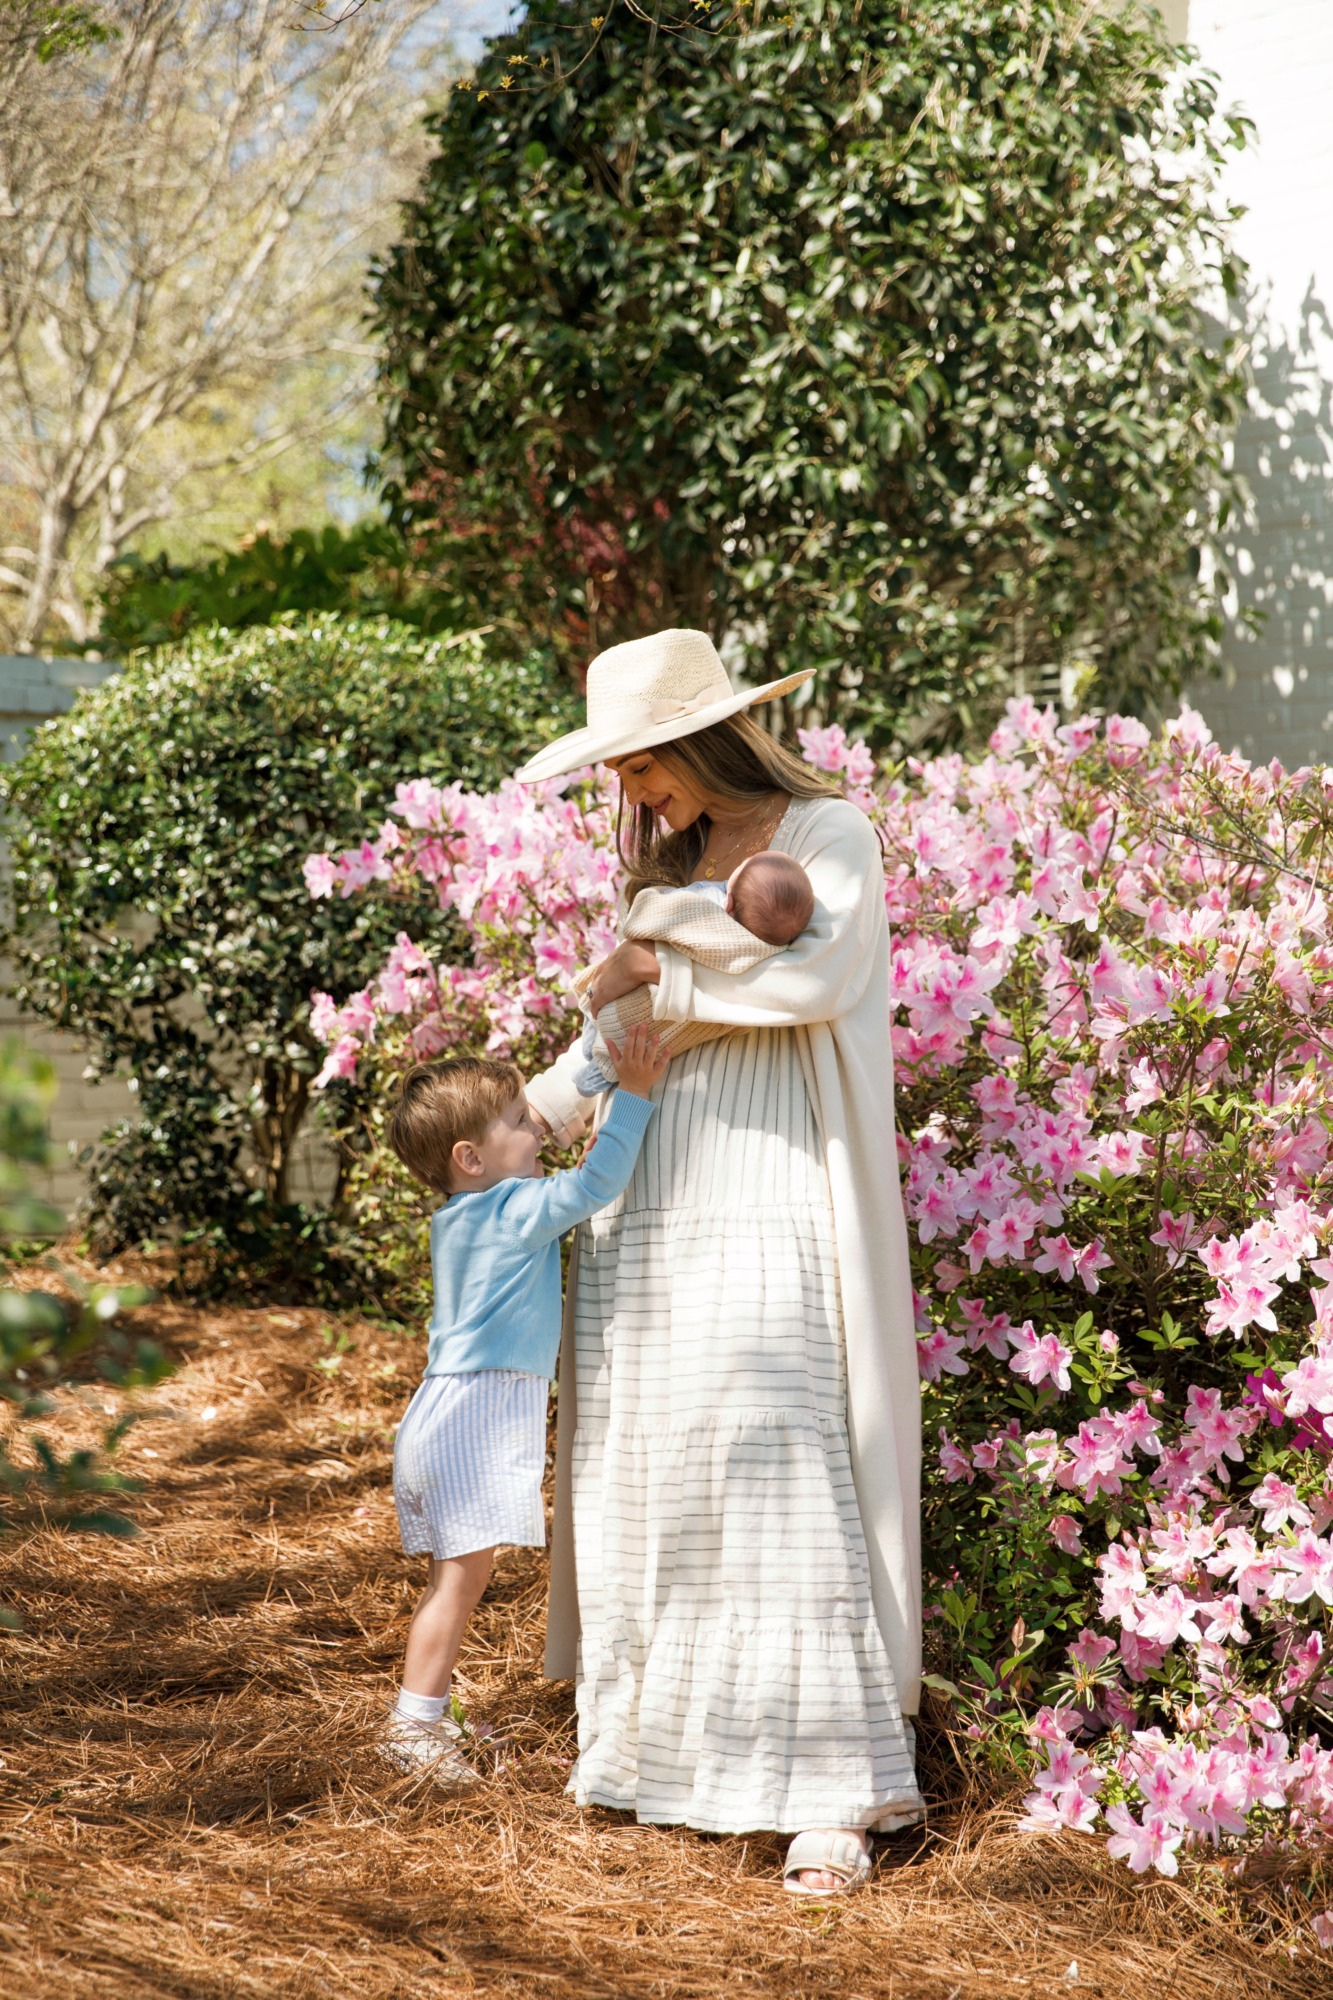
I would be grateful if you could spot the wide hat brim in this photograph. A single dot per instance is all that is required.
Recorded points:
(594, 746)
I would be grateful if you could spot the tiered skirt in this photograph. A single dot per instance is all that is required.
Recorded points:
(732, 1673)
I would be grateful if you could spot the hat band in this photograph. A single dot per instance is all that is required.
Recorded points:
(645, 714)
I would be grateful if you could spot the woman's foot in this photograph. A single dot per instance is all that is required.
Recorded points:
(827, 1861)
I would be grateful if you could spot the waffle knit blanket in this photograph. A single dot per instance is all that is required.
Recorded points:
(692, 924)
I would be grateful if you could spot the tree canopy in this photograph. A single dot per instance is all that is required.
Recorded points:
(867, 337)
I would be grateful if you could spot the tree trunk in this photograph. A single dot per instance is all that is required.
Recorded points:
(57, 525)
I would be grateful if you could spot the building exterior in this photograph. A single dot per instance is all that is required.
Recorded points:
(1274, 60)
(33, 689)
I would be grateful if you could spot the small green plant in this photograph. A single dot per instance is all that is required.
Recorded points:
(46, 1339)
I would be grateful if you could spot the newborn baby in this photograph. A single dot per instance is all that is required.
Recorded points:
(730, 926)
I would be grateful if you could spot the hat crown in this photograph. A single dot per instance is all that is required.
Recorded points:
(642, 678)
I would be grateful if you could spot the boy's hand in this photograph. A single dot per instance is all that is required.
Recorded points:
(641, 1061)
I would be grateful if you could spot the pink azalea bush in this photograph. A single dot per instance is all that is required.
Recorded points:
(1112, 1022)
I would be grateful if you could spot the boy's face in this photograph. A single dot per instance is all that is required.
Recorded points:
(509, 1151)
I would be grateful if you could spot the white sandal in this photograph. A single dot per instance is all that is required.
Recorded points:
(841, 1854)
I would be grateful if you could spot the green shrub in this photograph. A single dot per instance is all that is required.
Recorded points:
(159, 909)
(876, 336)
(364, 571)
(44, 1338)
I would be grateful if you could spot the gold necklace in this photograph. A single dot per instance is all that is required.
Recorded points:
(767, 829)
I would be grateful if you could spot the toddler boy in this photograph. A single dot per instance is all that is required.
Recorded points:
(468, 1460)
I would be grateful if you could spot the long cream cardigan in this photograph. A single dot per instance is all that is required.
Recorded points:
(831, 986)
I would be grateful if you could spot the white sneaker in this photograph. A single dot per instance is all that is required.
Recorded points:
(426, 1749)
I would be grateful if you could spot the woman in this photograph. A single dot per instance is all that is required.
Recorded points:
(739, 1408)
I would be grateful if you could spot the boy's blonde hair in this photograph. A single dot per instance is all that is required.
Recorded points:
(443, 1102)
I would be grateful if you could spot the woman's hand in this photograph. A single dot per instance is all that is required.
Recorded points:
(629, 965)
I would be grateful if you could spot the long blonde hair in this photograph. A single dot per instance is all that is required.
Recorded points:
(735, 760)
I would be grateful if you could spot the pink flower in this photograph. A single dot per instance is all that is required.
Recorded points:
(1059, 1255)
(938, 1354)
(1310, 1385)
(1065, 1532)
(1092, 1259)
(320, 874)
(1091, 1648)
(323, 1017)
(1151, 1844)
(1308, 1569)
(1279, 1504)
(826, 749)
(341, 1060)
(1009, 1234)
(1126, 739)
(954, 1463)
(1040, 1359)
(1122, 1152)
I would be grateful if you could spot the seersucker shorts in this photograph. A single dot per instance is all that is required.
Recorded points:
(468, 1463)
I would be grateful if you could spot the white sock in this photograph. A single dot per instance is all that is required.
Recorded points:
(420, 1707)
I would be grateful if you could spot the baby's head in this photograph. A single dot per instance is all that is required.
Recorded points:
(465, 1125)
(770, 894)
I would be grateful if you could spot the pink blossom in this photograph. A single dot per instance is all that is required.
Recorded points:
(320, 874)
(1058, 1255)
(1091, 1648)
(1044, 1359)
(1009, 1234)
(1151, 1843)
(954, 1464)
(1309, 1386)
(1307, 1569)
(938, 1354)
(826, 749)
(1065, 1532)
(1092, 1258)
(1279, 1504)
(1095, 1463)
(1126, 739)
(341, 1061)
(323, 1017)
(1122, 1152)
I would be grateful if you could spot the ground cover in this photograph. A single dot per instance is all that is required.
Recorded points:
(191, 1806)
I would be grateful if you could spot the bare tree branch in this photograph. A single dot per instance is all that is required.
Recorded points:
(185, 211)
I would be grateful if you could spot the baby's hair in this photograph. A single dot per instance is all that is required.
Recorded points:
(772, 897)
(443, 1102)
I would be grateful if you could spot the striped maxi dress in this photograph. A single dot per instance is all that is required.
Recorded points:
(732, 1674)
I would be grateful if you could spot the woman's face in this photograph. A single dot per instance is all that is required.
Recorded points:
(649, 782)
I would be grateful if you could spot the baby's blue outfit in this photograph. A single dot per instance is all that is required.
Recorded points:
(495, 1256)
(592, 1079)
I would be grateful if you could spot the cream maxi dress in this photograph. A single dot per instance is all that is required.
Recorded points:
(739, 1406)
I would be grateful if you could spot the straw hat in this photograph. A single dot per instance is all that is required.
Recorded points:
(646, 692)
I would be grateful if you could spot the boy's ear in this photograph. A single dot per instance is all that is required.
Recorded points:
(467, 1160)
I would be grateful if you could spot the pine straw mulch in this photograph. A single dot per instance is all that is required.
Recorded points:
(192, 1807)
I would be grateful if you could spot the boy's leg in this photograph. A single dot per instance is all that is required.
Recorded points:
(422, 1739)
(440, 1619)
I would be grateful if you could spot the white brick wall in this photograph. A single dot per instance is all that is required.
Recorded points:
(1275, 61)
